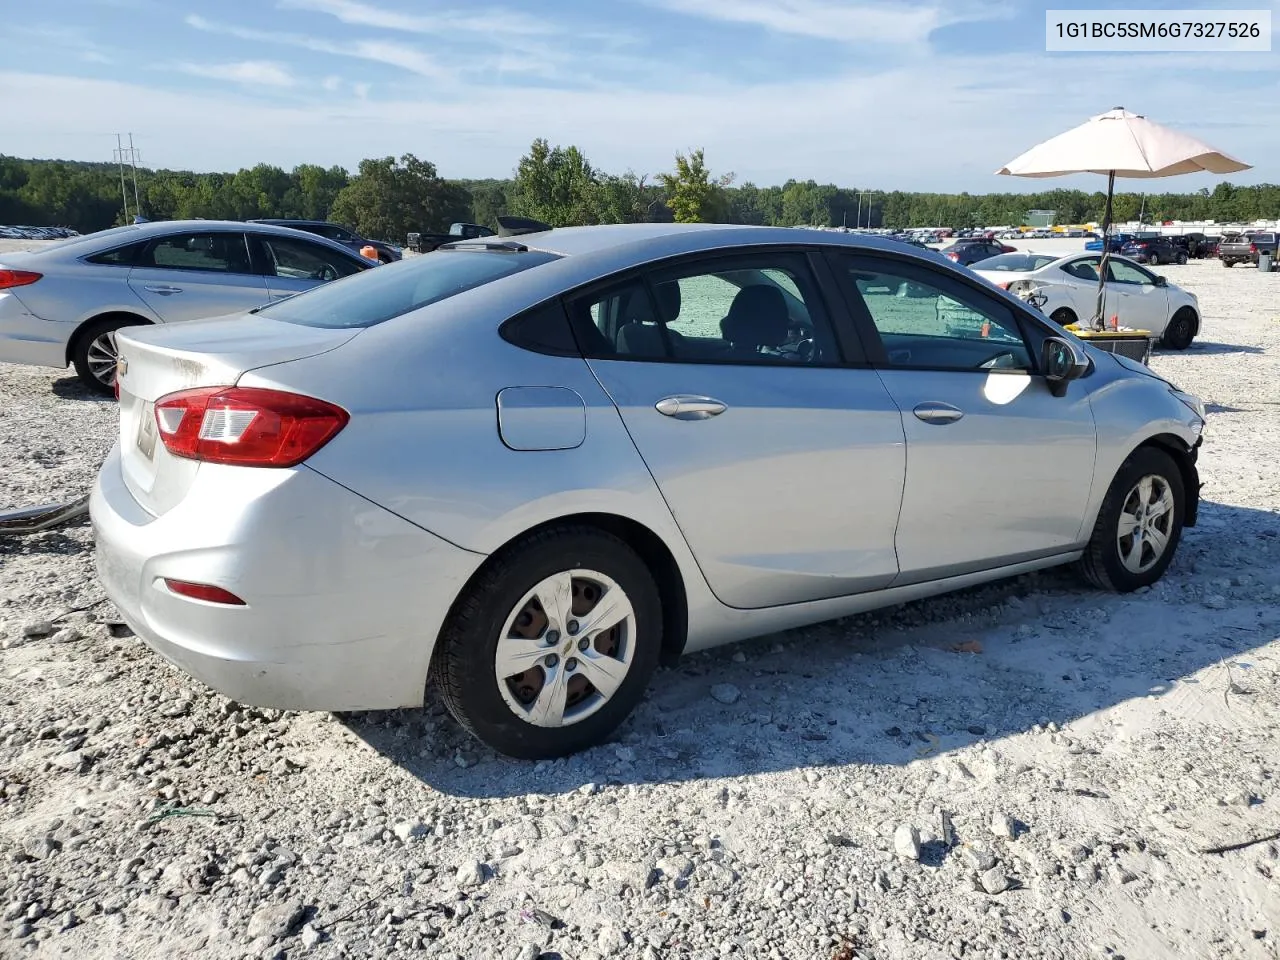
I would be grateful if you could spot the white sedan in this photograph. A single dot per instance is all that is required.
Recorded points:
(1137, 297)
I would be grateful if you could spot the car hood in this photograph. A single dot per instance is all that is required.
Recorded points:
(1133, 366)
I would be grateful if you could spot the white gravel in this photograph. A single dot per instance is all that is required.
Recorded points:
(866, 788)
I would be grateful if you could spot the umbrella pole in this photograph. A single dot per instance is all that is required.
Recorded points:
(1100, 316)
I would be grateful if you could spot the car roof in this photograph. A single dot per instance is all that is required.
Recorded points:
(650, 241)
(91, 243)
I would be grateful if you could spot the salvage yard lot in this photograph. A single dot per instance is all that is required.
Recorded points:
(1085, 749)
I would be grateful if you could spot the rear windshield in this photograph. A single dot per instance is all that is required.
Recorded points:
(90, 239)
(374, 296)
(1017, 262)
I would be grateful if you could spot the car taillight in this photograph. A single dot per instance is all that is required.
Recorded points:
(1005, 286)
(954, 256)
(17, 278)
(1253, 248)
(248, 426)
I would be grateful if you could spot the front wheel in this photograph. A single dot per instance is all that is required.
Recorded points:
(1180, 331)
(1139, 524)
(1182, 259)
(553, 645)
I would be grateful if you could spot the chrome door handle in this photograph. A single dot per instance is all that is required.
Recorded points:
(938, 412)
(164, 291)
(282, 296)
(686, 407)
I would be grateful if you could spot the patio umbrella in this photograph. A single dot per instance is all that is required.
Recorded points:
(1119, 144)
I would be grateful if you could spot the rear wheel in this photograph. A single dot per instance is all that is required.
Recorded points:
(1063, 316)
(1182, 259)
(1181, 330)
(1228, 263)
(1139, 524)
(552, 646)
(94, 353)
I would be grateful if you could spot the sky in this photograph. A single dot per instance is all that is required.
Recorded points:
(877, 94)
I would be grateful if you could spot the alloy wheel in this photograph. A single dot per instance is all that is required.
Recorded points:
(102, 356)
(1146, 523)
(565, 648)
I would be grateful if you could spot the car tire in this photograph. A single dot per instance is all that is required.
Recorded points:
(1124, 552)
(517, 714)
(1228, 263)
(1181, 329)
(1182, 259)
(1063, 316)
(94, 351)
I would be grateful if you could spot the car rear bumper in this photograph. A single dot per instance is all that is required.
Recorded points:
(26, 338)
(343, 599)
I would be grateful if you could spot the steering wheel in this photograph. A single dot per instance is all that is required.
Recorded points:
(327, 273)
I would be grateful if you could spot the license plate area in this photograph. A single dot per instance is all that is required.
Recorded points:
(147, 431)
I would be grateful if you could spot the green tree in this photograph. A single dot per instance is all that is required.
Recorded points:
(388, 198)
(692, 194)
(556, 185)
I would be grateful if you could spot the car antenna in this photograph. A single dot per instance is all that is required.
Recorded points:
(515, 226)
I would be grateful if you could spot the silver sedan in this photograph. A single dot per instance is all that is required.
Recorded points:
(530, 469)
(63, 304)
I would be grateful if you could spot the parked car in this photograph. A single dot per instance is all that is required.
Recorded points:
(1115, 242)
(387, 253)
(629, 413)
(1154, 250)
(426, 242)
(1137, 297)
(965, 252)
(1244, 248)
(64, 303)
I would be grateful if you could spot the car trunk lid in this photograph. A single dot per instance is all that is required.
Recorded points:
(160, 360)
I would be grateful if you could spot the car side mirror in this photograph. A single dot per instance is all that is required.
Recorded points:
(1061, 362)
(1161, 281)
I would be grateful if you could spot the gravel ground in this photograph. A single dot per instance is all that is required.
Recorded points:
(1026, 770)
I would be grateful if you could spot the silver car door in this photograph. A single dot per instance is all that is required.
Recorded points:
(782, 466)
(999, 469)
(1142, 304)
(191, 275)
(293, 264)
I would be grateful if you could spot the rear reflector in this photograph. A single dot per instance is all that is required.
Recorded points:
(247, 426)
(17, 278)
(203, 591)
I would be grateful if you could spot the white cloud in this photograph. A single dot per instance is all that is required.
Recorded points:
(853, 21)
(258, 73)
(378, 51)
(331, 83)
(493, 23)
(856, 130)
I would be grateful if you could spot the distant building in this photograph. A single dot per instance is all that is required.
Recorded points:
(1040, 218)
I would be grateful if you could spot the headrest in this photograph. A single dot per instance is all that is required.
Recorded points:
(757, 318)
(668, 295)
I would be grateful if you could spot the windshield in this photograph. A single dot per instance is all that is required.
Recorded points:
(374, 296)
(1015, 262)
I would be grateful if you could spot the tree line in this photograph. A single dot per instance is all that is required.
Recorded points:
(388, 197)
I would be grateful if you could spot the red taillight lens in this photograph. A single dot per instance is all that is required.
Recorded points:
(953, 256)
(17, 278)
(248, 426)
(1253, 248)
(203, 591)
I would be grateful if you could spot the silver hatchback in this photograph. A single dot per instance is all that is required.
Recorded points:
(63, 304)
(532, 468)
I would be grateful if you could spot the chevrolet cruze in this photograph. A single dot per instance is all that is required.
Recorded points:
(525, 470)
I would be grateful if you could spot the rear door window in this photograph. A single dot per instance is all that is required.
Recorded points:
(205, 252)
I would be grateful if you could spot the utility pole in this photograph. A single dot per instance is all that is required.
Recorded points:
(124, 193)
(859, 223)
(133, 160)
